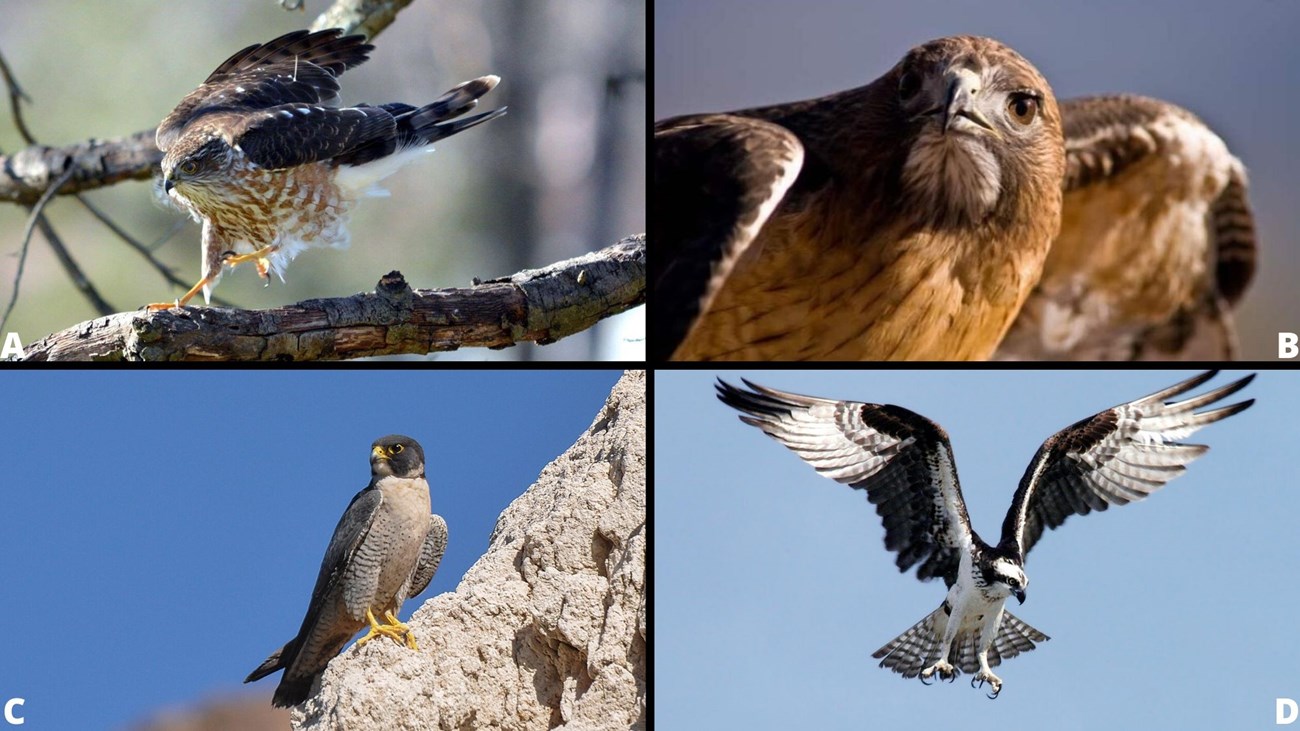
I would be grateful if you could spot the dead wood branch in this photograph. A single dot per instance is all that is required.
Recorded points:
(541, 305)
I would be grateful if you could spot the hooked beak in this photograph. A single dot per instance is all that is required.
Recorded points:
(963, 89)
(168, 185)
(1020, 595)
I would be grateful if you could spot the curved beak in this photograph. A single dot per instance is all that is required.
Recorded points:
(963, 89)
(168, 185)
(1020, 595)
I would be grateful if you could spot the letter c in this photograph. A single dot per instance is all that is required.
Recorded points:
(14, 720)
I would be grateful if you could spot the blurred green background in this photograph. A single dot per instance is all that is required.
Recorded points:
(560, 175)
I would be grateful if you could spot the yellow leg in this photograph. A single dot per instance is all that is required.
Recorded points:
(259, 256)
(184, 298)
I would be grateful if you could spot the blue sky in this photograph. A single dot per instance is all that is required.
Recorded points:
(1235, 64)
(773, 585)
(163, 530)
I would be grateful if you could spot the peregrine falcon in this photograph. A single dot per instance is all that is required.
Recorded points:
(385, 548)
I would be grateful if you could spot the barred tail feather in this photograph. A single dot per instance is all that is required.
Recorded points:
(918, 647)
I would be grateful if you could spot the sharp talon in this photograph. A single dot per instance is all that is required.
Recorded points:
(227, 255)
(976, 679)
(994, 695)
(925, 683)
(952, 678)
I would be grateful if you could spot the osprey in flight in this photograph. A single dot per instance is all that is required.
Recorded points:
(905, 463)
(262, 155)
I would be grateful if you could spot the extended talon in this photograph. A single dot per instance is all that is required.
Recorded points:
(995, 683)
(944, 669)
(231, 259)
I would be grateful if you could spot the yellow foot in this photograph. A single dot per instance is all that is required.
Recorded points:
(260, 256)
(395, 630)
(405, 629)
(183, 299)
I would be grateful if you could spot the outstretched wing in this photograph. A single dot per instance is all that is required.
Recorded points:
(717, 180)
(297, 68)
(1157, 240)
(902, 459)
(1116, 457)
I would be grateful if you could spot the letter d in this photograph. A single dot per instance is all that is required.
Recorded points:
(1286, 711)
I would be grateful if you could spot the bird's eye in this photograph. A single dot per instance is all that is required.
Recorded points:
(397, 449)
(908, 85)
(189, 167)
(1022, 108)
(1013, 582)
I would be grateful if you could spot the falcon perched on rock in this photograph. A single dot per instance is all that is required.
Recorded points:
(906, 219)
(264, 158)
(385, 549)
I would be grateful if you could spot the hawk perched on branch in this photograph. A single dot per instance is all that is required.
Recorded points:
(264, 158)
(907, 219)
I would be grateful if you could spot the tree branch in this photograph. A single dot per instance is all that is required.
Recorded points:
(541, 305)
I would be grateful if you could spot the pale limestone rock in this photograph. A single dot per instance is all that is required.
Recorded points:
(547, 630)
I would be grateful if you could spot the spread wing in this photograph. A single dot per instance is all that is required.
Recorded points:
(296, 134)
(1118, 456)
(297, 68)
(902, 459)
(1157, 240)
(717, 180)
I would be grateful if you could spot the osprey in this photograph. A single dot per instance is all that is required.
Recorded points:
(904, 461)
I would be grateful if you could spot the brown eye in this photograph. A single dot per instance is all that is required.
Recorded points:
(908, 85)
(1022, 108)
(189, 167)
(397, 449)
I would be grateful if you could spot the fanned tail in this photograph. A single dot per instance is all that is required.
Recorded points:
(918, 648)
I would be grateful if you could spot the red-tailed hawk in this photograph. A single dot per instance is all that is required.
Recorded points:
(1157, 240)
(906, 219)
(262, 156)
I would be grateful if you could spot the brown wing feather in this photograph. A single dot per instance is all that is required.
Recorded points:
(717, 180)
(1156, 244)
(298, 67)
(295, 134)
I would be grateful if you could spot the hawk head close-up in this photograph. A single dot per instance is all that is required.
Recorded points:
(985, 133)
(907, 219)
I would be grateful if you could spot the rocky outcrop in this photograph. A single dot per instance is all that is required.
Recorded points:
(548, 629)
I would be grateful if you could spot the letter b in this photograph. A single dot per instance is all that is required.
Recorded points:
(1287, 347)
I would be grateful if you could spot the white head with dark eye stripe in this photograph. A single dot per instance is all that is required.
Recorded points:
(1007, 578)
(983, 126)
